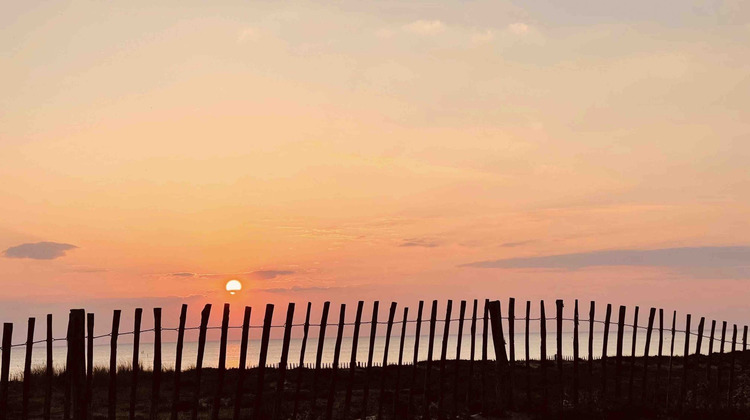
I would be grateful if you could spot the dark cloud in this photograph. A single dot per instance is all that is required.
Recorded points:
(183, 274)
(38, 250)
(270, 274)
(297, 289)
(514, 244)
(419, 242)
(718, 261)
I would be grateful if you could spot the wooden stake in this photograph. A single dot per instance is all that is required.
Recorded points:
(388, 331)
(605, 339)
(400, 358)
(632, 356)
(428, 363)
(49, 374)
(543, 353)
(239, 392)
(417, 338)
(373, 331)
(112, 399)
(205, 314)
(671, 356)
(27, 369)
(156, 374)
(335, 366)
(265, 337)
(443, 356)
(281, 371)
(136, 363)
(222, 368)
(575, 353)
(618, 358)
(353, 361)
(461, 314)
(301, 369)
(178, 361)
(649, 331)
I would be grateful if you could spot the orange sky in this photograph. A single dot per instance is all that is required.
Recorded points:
(373, 150)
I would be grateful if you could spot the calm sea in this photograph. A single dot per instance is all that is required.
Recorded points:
(125, 350)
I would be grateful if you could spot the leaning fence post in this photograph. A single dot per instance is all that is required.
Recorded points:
(732, 359)
(685, 369)
(632, 356)
(671, 356)
(417, 337)
(319, 357)
(698, 344)
(265, 337)
(368, 369)
(485, 338)
(461, 315)
(239, 392)
(205, 314)
(472, 352)
(156, 374)
(618, 357)
(5, 371)
(389, 329)
(400, 360)
(717, 402)
(178, 361)
(605, 339)
(428, 363)
(590, 387)
(353, 361)
(444, 350)
(710, 353)
(649, 332)
(575, 353)
(543, 354)
(283, 361)
(221, 369)
(49, 372)
(136, 363)
(301, 369)
(27, 370)
(498, 341)
(511, 348)
(335, 366)
(660, 353)
(112, 397)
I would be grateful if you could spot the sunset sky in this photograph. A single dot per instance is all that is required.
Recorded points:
(152, 151)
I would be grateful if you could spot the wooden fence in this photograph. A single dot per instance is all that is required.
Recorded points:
(431, 388)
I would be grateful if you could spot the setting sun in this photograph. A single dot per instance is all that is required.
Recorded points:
(233, 286)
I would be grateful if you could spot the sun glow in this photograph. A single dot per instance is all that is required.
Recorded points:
(233, 286)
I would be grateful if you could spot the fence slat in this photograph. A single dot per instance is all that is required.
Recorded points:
(77, 367)
(301, 369)
(335, 366)
(649, 332)
(221, 369)
(660, 353)
(719, 363)
(443, 356)
(590, 382)
(559, 352)
(459, 341)
(261, 371)
(511, 349)
(389, 329)
(698, 344)
(112, 398)
(732, 357)
(501, 356)
(66, 374)
(632, 355)
(178, 361)
(605, 340)
(49, 374)
(280, 384)
(472, 352)
(319, 357)
(575, 353)
(368, 369)
(414, 368)
(671, 356)
(27, 369)
(527, 357)
(685, 364)
(428, 363)
(136, 363)
(618, 357)
(89, 364)
(240, 390)
(543, 354)
(205, 314)
(400, 361)
(744, 347)
(710, 353)
(353, 361)
(156, 374)
(5, 371)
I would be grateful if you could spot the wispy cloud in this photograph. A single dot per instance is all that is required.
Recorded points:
(39, 250)
(183, 274)
(704, 262)
(246, 35)
(419, 242)
(270, 274)
(425, 27)
(518, 28)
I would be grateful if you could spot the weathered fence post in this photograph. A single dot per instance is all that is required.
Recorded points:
(301, 368)
(368, 369)
(632, 356)
(732, 358)
(472, 352)
(461, 314)
(156, 374)
(698, 344)
(205, 314)
(77, 367)
(335, 366)
(649, 332)
(353, 361)
(671, 356)
(417, 338)
(618, 357)
(605, 339)
(388, 331)
(428, 363)
(178, 361)
(717, 400)
(527, 358)
(5, 371)
(49, 374)
(400, 360)
(280, 384)
(265, 337)
(485, 337)
(590, 387)
(319, 357)
(221, 369)
(443, 356)
(511, 349)
(744, 347)
(136, 363)
(498, 341)
(575, 353)
(543, 355)
(89, 364)
(27, 369)
(710, 353)
(660, 353)
(112, 397)
(239, 392)
(685, 368)
(559, 323)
